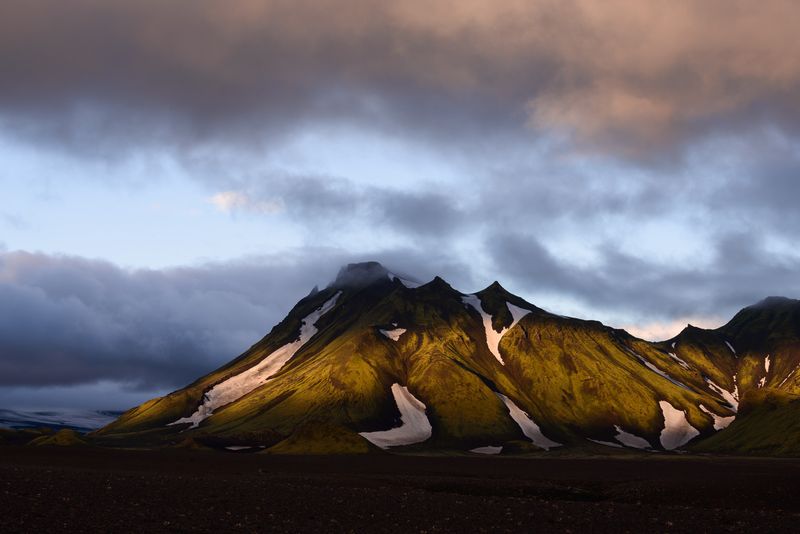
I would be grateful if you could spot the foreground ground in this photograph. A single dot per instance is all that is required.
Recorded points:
(84, 489)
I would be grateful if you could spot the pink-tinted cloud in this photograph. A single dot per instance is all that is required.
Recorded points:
(627, 76)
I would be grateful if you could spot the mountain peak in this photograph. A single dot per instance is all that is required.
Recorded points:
(495, 287)
(772, 302)
(438, 284)
(360, 274)
(313, 291)
(778, 316)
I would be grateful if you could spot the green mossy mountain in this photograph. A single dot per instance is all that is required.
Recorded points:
(576, 380)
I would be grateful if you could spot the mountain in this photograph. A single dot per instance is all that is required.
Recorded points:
(376, 361)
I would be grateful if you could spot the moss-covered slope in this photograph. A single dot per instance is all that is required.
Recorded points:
(574, 380)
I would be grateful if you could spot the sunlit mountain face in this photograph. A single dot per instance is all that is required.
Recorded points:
(377, 360)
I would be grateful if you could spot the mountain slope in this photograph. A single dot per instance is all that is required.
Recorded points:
(377, 358)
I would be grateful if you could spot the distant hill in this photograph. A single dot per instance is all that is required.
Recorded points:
(80, 420)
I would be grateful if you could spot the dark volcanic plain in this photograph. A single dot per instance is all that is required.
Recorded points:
(105, 490)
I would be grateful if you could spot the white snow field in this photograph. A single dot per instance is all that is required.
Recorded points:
(791, 373)
(527, 425)
(720, 422)
(487, 450)
(606, 443)
(631, 440)
(661, 373)
(681, 362)
(493, 337)
(731, 397)
(240, 385)
(415, 427)
(677, 430)
(395, 334)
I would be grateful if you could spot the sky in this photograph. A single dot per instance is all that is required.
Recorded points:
(174, 176)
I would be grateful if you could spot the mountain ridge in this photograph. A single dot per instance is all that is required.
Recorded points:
(486, 370)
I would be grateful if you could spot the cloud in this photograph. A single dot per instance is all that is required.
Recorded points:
(70, 321)
(762, 188)
(230, 201)
(740, 272)
(631, 131)
(630, 77)
(428, 214)
(14, 220)
(329, 204)
(103, 395)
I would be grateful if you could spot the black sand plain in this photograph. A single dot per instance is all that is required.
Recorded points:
(86, 489)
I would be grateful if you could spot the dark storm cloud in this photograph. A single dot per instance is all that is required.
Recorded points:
(765, 191)
(420, 214)
(627, 76)
(741, 273)
(200, 70)
(68, 320)
(76, 321)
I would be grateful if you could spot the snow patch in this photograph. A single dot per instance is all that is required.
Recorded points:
(660, 372)
(395, 334)
(527, 425)
(493, 337)
(677, 430)
(681, 362)
(408, 283)
(517, 313)
(487, 450)
(414, 427)
(763, 381)
(236, 387)
(731, 397)
(238, 448)
(631, 440)
(731, 347)
(606, 443)
(720, 422)
(789, 376)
